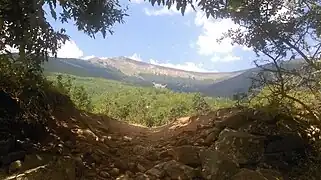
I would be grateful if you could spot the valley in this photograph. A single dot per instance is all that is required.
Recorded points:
(143, 74)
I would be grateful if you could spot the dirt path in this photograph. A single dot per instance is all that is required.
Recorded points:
(108, 148)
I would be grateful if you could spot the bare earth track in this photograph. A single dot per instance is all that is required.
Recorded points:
(221, 145)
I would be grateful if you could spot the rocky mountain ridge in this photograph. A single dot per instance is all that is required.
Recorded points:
(132, 67)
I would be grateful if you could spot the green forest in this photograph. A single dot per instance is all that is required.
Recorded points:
(139, 105)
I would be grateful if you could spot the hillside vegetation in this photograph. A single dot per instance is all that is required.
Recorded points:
(121, 69)
(140, 105)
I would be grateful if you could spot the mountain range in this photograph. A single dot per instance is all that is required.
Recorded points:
(215, 84)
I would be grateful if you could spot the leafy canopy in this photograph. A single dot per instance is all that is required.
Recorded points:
(23, 24)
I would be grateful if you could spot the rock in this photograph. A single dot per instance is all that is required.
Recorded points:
(216, 165)
(152, 156)
(184, 120)
(187, 155)
(181, 142)
(211, 137)
(176, 170)
(234, 121)
(127, 138)
(87, 133)
(243, 147)
(131, 165)
(246, 174)
(15, 166)
(286, 143)
(142, 176)
(129, 174)
(139, 149)
(260, 127)
(141, 168)
(114, 171)
(104, 174)
(123, 177)
(121, 163)
(156, 172)
(163, 154)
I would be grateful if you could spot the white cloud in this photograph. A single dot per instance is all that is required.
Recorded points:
(187, 66)
(165, 11)
(67, 50)
(135, 57)
(70, 50)
(225, 58)
(87, 57)
(213, 30)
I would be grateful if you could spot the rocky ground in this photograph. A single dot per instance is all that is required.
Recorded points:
(226, 144)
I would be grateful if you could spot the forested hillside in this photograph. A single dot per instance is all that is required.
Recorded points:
(144, 74)
(141, 105)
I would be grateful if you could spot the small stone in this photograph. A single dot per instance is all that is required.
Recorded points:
(163, 154)
(212, 136)
(129, 174)
(15, 166)
(141, 168)
(128, 139)
(181, 142)
(104, 174)
(142, 176)
(114, 171)
(131, 165)
(123, 177)
(156, 172)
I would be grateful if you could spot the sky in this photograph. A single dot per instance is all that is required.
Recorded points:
(164, 37)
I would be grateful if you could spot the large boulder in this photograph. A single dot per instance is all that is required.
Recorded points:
(173, 170)
(234, 121)
(216, 165)
(187, 155)
(243, 147)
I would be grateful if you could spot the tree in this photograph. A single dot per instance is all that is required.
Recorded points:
(199, 104)
(23, 24)
(279, 31)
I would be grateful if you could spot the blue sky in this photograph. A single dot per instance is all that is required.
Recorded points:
(164, 37)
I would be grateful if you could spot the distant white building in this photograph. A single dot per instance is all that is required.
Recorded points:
(161, 86)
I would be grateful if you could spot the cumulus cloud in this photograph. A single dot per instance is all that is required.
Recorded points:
(225, 58)
(165, 11)
(187, 66)
(212, 30)
(67, 50)
(70, 50)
